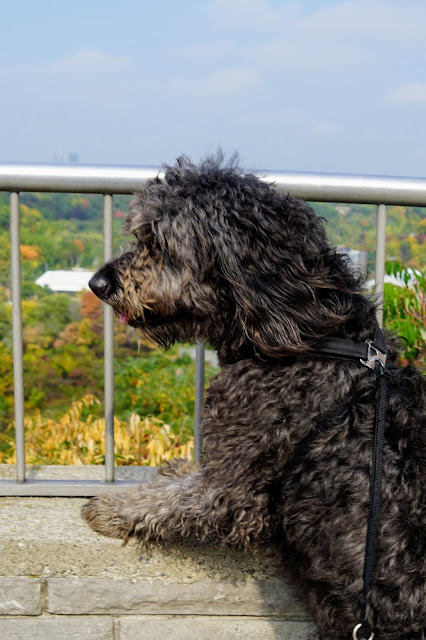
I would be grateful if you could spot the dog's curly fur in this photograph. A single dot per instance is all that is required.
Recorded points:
(224, 257)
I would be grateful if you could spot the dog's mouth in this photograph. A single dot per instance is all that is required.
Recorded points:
(149, 319)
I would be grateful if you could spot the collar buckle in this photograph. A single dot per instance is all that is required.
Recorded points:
(374, 356)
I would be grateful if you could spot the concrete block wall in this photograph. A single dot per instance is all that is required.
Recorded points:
(60, 580)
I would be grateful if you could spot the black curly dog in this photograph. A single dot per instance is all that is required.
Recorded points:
(223, 257)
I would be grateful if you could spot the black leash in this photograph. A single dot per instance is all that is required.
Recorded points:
(361, 630)
(372, 354)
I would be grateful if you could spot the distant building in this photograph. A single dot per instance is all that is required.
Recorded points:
(59, 156)
(65, 281)
(72, 157)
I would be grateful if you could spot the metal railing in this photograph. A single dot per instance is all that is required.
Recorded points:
(109, 180)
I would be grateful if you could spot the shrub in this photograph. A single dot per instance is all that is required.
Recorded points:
(405, 312)
(74, 440)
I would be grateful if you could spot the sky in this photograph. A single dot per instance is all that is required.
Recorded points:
(311, 85)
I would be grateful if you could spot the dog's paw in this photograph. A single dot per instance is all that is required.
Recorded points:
(104, 514)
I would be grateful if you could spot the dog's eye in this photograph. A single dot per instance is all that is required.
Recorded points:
(138, 236)
(143, 234)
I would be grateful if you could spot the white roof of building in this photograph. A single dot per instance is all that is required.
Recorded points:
(66, 281)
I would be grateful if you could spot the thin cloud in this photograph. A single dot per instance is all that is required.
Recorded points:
(251, 14)
(351, 34)
(206, 52)
(325, 129)
(408, 94)
(84, 78)
(229, 81)
(370, 20)
(298, 56)
(341, 20)
(83, 63)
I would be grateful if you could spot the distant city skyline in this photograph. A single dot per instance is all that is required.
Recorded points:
(309, 85)
(65, 156)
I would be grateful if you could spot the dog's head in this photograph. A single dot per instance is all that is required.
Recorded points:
(222, 256)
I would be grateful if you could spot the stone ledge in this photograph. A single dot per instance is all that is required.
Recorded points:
(155, 628)
(46, 537)
(50, 628)
(131, 594)
(232, 628)
(20, 597)
(214, 598)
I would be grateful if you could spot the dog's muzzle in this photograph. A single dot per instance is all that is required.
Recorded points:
(103, 283)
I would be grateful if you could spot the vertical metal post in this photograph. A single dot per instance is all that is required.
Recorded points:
(380, 260)
(18, 366)
(108, 352)
(199, 393)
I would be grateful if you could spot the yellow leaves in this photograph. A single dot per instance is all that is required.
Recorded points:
(68, 362)
(29, 215)
(76, 440)
(29, 307)
(30, 252)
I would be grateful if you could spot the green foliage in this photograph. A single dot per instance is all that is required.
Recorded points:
(6, 385)
(405, 312)
(354, 226)
(58, 231)
(61, 231)
(63, 360)
(158, 384)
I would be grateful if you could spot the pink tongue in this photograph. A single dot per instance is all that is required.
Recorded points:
(123, 319)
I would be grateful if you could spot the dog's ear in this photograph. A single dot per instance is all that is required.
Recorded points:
(287, 293)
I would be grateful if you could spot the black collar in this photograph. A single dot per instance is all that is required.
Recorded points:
(368, 353)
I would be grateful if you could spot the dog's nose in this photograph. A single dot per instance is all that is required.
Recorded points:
(101, 286)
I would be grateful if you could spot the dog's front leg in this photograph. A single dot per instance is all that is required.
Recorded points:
(177, 505)
(153, 511)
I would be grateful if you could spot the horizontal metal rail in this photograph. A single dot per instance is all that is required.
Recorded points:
(315, 187)
(107, 180)
(74, 178)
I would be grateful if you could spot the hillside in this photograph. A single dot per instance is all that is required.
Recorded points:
(61, 231)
